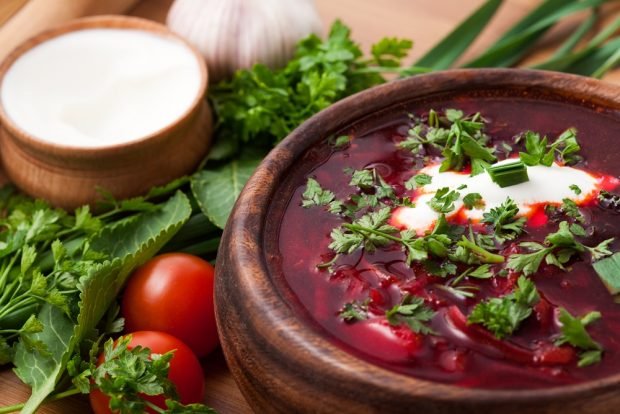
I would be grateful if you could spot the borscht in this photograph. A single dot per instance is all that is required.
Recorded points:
(471, 241)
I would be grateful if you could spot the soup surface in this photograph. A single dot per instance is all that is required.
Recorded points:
(449, 277)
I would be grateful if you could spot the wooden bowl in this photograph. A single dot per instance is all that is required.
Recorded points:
(70, 176)
(281, 360)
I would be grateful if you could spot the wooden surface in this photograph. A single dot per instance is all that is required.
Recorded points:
(424, 21)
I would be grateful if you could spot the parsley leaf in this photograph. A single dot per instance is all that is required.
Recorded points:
(419, 180)
(414, 313)
(354, 311)
(443, 200)
(538, 151)
(466, 142)
(315, 195)
(504, 221)
(574, 333)
(473, 200)
(502, 316)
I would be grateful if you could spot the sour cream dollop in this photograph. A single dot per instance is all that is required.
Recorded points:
(546, 185)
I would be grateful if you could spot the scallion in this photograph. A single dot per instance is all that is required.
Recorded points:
(508, 174)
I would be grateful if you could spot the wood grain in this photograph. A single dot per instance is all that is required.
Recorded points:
(425, 21)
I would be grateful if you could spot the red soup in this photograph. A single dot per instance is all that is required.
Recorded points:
(465, 241)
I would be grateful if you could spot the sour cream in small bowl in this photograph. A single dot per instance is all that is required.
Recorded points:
(109, 102)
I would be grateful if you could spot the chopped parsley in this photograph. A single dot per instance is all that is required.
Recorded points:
(574, 333)
(503, 219)
(414, 313)
(557, 250)
(575, 189)
(502, 316)
(473, 200)
(315, 195)
(419, 180)
(443, 200)
(539, 152)
(354, 311)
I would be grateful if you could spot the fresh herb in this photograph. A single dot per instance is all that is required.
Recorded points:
(504, 221)
(315, 195)
(574, 333)
(473, 200)
(417, 181)
(369, 231)
(538, 151)
(354, 311)
(414, 313)
(575, 189)
(341, 141)
(443, 200)
(570, 208)
(508, 174)
(466, 142)
(363, 179)
(470, 252)
(558, 249)
(502, 316)
(608, 269)
(127, 375)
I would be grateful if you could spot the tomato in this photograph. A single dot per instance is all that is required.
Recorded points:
(185, 370)
(173, 293)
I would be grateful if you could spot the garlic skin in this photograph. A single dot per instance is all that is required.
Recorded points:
(236, 34)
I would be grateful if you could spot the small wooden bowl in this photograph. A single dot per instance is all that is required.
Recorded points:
(70, 176)
(281, 361)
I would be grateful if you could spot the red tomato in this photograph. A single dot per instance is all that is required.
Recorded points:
(185, 370)
(173, 293)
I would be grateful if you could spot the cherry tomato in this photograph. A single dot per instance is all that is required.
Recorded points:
(173, 293)
(185, 370)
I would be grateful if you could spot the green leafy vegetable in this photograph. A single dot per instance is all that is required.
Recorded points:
(451, 47)
(128, 244)
(502, 316)
(414, 313)
(417, 181)
(216, 189)
(574, 333)
(473, 200)
(354, 311)
(538, 151)
(504, 220)
(315, 195)
(608, 269)
(558, 249)
(443, 200)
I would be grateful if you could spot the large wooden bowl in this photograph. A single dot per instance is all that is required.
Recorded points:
(281, 361)
(69, 176)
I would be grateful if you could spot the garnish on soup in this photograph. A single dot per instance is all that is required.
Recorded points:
(461, 247)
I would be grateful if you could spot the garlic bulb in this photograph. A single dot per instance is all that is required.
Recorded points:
(236, 34)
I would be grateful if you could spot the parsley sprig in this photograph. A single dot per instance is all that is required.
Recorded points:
(503, 219)
(414, 313)
(502, 316)
(557, 250)
(127, 375)
(540, 152)
(574, 333)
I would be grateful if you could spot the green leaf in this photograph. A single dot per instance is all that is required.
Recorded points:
(511, 47)
(216, 189)
(130, 244)
(451, 47)
(608, 270)
(574, 332)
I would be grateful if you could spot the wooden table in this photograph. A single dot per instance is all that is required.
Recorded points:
(425, 21)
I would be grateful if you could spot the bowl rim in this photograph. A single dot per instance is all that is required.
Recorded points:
(243, 237)
(42, 146)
